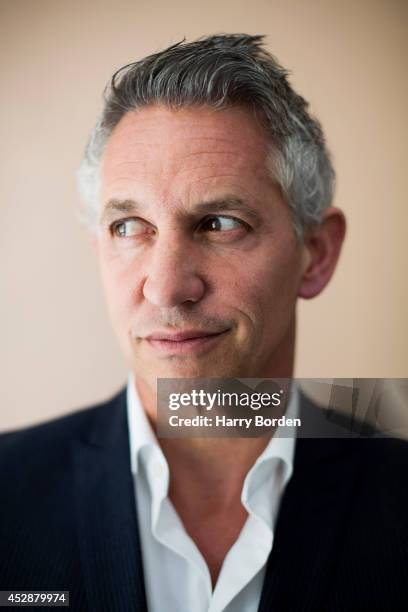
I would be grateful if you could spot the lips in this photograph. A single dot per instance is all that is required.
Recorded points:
(182, 336)
(184, 342)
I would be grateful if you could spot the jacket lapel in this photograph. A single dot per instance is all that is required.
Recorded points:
(106, 513)
(311, 520)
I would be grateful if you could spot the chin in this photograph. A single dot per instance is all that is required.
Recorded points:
(189, 369)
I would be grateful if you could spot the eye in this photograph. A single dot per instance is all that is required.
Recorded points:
(126, 228)
(221, 223)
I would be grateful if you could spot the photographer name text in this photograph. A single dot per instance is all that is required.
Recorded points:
(223, 421)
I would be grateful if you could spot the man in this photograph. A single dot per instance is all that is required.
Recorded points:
(208, 189)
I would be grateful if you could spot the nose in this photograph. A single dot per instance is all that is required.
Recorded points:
(172, 276)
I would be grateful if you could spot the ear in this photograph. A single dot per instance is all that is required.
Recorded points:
(322, 246)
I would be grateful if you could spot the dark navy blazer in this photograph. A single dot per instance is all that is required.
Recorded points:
(68, 519)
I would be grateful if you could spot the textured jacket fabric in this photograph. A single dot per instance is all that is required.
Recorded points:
(68, 519)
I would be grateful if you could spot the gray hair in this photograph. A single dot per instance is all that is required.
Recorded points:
(223, 71)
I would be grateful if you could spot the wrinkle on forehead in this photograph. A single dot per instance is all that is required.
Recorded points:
(158, 126)
(180, 151)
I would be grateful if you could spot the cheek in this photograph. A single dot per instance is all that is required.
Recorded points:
(118, 278)
(267, 288)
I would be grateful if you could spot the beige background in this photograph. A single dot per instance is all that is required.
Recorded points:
(348, 58)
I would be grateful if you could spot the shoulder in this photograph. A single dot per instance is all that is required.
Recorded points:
(383, 465)
(45, 443)
(338, 444)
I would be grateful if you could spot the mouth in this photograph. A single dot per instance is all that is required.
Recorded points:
(184, 343)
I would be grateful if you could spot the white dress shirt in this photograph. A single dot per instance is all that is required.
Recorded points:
(176, 575)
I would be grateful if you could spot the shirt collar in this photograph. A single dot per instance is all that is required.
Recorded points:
(282, 444)
(141, 433)
(266, 480)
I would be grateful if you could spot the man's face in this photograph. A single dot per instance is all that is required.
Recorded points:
(198, 254)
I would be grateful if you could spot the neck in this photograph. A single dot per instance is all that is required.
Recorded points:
(213, 469)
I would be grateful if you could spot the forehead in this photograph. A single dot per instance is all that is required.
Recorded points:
(186, 148)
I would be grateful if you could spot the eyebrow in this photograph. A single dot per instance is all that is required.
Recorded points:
(225, 203)
(229, 203)
(119, 206)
